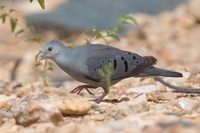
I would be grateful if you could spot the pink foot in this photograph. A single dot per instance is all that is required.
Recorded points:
(100, 99)
(82, 87)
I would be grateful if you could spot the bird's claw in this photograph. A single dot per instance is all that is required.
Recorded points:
(98, 100)
(79, 89)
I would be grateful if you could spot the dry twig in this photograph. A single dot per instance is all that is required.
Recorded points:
(177, 88)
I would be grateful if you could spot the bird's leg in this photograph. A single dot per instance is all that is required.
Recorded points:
(80, 88)
(100, 99)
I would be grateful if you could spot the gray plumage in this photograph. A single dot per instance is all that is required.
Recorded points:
(82, 63)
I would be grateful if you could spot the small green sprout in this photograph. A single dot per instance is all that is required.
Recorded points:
(129, 19)
(41, 2)
(106, 73)
(114, 32)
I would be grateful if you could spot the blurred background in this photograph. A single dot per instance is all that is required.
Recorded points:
(168, 30)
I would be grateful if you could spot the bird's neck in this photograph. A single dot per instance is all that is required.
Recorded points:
(64, 58)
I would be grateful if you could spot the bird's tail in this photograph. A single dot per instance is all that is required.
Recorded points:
(153, 71)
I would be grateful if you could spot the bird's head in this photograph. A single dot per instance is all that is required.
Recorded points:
(50, 50)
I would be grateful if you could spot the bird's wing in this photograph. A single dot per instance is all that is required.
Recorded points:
(123, 63)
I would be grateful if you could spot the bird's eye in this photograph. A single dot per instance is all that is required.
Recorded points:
(49, 49)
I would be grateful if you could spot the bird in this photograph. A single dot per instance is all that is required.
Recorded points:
(84, 64)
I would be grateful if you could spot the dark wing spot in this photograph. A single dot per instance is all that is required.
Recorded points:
(122, 58)
(134, 57)
(129, 53)
(115, 64)
(50, 49)
(137, 61)
(126, 65)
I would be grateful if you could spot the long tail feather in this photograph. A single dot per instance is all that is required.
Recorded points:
(153, 71)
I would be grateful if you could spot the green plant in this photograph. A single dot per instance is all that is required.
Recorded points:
(106, 73)
(18, 29)
(114, 32)
(7, 14)
(47, 67)
(41, 2)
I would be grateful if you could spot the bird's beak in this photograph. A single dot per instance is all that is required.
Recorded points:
(39, 56)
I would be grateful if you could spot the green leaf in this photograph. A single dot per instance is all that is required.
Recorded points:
(105, 73)
(117, 28)
(31, 1)
(42, 4)
(101, 73)
(128, 19)
(94, 31)
(3, 17)
(19, 32)
(98, 35)
(113, 36)
(13, 23)
(133, 19)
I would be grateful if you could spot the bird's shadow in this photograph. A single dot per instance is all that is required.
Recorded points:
(114, 101)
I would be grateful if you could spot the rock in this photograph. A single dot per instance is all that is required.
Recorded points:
(24, 116)
(5, 113)
(164, 108)
(144, 89)
(70, 128)
(5, 105)
(132, 123)
(46, 127)
(161, 96)
(52, 113)
(71, 104)
(176, 126)
(31, 110)
(187, 104)
(5, 110)
(9, 127)
(134, 105)
(75, 16)
(140, 98)
(7, 99)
